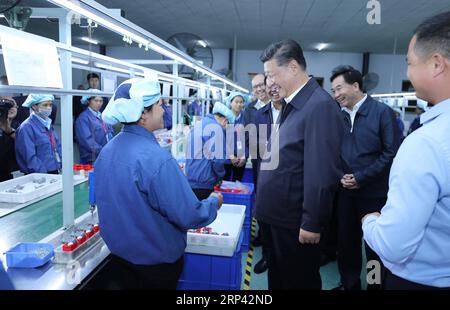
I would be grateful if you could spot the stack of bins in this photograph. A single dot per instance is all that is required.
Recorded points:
(212, 272)
(248, 201)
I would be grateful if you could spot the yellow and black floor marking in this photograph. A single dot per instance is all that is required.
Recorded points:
(248, 267)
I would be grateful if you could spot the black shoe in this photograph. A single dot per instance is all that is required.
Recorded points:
(260, 266)
(257, 241)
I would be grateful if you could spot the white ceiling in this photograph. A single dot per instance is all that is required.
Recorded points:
(257, 23)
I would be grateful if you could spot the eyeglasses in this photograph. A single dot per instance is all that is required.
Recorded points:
(261, 85)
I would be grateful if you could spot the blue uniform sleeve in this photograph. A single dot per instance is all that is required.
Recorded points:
(414, 186)
(390, 138)
(83, 130)
(171, 195)
(26, 151)
(58, 143)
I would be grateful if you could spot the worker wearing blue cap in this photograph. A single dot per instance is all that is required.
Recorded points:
(206, 156)
(235, 170)
(91, 131)
(38, 149)
(144, 201)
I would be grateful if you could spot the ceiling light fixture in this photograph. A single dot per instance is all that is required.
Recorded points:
(89, 40)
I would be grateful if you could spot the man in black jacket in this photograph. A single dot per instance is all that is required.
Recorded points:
(371, 141)
(296, 187)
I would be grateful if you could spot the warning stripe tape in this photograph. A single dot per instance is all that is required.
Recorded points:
(248, 266)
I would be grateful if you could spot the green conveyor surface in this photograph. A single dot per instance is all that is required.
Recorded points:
(40, 219)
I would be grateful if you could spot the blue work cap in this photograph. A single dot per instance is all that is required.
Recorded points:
(33, 99)
(130, 99)
(223, 110)
(85, 99)
(232, 95)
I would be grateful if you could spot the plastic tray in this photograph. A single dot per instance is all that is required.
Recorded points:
(30, 190)
(29, 255)
(229, 220)
(63, 257)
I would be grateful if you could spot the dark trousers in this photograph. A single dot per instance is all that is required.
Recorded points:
(202, 193)
(351, 209)
(393, 282)
(264, 234)
(255, 170)
(291, 264)
(233, 173)
(328, 239)
(150, 277)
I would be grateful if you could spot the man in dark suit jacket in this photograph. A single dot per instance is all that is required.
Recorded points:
(250, 112)
(371, 140)
(296, 187)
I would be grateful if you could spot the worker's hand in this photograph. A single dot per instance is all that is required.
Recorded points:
(219, 198)
(242, 162)
(307, 237)
(369, 214)
(348, 181)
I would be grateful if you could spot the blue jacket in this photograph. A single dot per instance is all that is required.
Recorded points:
(239, 125)
(35, 151)
(263, 116)
(167, 115)
(203, 170)
(145, 203)
(92, 134)
(369, 150)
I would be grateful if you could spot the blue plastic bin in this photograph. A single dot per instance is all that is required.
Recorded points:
(26, 255)
(211, 272)
(247, 200)
(246, 232)
(248, 175)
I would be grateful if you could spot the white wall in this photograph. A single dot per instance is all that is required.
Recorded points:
(391, 70)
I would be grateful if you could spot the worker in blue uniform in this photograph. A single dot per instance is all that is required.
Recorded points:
(144, 201)
(206, 155)
(167, 114)
(91, 131)
(38, 149)
(235, 170)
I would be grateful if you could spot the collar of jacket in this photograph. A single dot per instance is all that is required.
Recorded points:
(139, 130)
(267, 107)
(365, 106)
(39, 124)
(305, 93)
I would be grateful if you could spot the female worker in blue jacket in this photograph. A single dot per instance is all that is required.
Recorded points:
(37, 146)
(206, 155)
(145, 203)
(235, 170)
(91, 131)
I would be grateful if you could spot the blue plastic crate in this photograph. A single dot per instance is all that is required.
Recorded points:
(246, 232)
(248, 175)
(210, 272)
(29, 255)
(247, 200)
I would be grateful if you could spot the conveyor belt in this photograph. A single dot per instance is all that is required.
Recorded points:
(36, 221)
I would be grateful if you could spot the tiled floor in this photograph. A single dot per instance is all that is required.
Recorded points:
(329, 274)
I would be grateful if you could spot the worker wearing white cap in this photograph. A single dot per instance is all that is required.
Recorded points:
(38, 149)
(91, 131)
(144, 201)
(206, 156)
